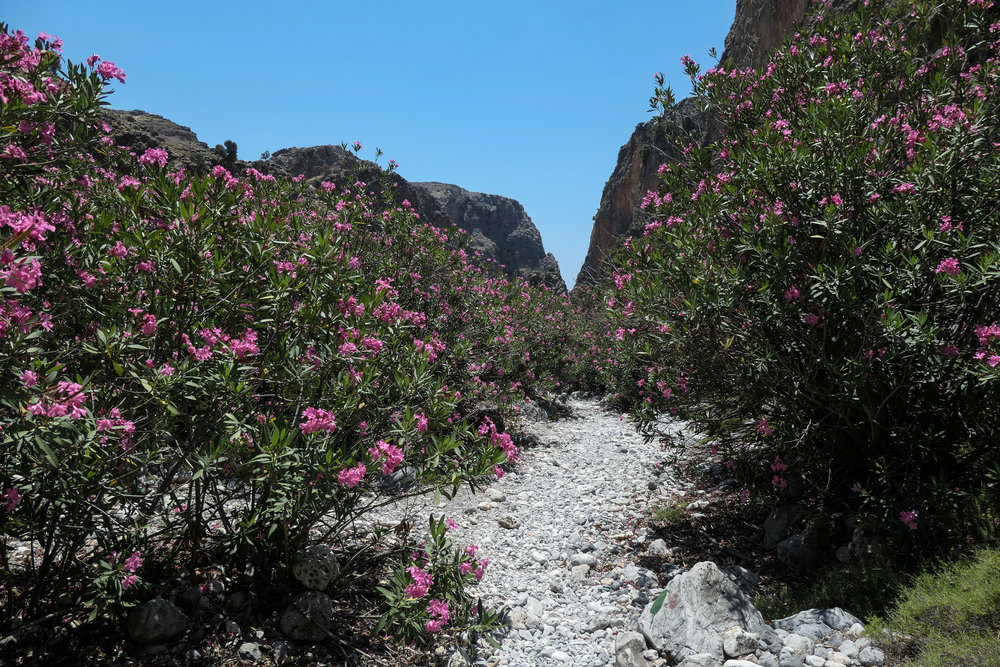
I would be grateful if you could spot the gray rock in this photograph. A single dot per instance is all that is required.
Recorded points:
(767, 660)
(848, 648)
(658, 548)
(282, 652)
(844, 554)
(739, 663)
(799, 552)
(699, 660)
(870, 656)
(249, 651)
(815, 661)
(238, 601)
(779, 523)
(790, 661)
(814, 631)
(834, 617)
(156, 621)
(839, 658)
(308, 617)
(534, 412)
(315, 567)
(495, 495)
(629, 647)
(456, 658)
(696, 608)
(578, 572)
(738, 642)
(798, 644)
(190, 597)
(582, 559)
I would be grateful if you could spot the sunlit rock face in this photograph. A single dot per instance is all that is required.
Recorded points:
(500, 229)
(759, 26)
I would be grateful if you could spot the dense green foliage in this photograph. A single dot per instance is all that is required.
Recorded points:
(224, 366)
(818, 291)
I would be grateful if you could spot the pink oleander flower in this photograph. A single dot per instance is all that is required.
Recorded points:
(148, 324)
(108, 70)
(949, 266)
(157, 156)
(128, 580)
(24, 275)
(792, 294)
(909, 519)
(389, 455)
(13, 498)
(764, 428)
(422, 581)
(317, 420)
(812, 319)
(421, 422)
(351, 477)
(441, 614)
(29, 379)
(133, 562)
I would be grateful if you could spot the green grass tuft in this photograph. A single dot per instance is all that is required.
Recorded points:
(950, 617)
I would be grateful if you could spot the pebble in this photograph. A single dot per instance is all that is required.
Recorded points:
(559, 530)
(547, 527)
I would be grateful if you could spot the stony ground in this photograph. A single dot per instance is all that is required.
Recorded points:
(560, 532)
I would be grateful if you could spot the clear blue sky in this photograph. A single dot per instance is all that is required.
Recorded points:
(530, 100)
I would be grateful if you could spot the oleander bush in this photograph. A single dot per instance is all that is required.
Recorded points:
(224, 367)
(818, 291)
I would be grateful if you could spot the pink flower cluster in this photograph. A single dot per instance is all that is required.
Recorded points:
(132, 563)
(389, 455)
(21, 274)
(317, 420)
(422, 581)
(501, 440)
(949, 266)
(440, 614)
(351, 477)
(65, 401)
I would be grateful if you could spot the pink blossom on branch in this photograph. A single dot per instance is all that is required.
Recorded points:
(949, 266)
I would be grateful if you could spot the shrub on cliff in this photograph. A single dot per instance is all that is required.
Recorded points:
(820, 291)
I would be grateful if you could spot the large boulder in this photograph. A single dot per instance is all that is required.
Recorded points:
(156, 621)
(308, 617)
(693, 613)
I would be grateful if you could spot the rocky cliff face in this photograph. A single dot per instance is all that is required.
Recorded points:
(635, 173)
(139, 130)
(498, 227)
(758, 27)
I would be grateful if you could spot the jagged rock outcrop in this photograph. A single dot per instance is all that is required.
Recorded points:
(498, 226)
(499, 229)
(650, 145)
(759, 27)
(139, 130)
